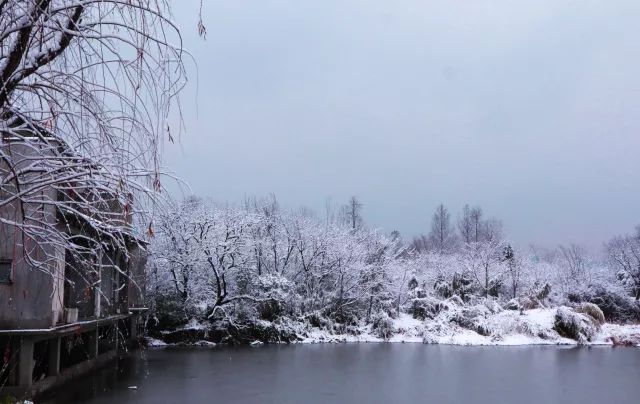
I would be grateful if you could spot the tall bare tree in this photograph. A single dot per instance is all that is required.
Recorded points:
(465, 225)
(353, 213)
(441, 236)
(476, 224)
(491, 230)
(514, 269)
(473, 228)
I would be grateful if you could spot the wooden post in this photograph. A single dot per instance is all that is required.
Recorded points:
(133, 333)
(92, 343)
(115, 327)
(97, 290)
(54, 356)
(25, 363)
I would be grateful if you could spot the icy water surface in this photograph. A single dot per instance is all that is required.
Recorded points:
(366, 373)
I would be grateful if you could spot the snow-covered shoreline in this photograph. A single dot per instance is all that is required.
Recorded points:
(508, 328)
(412, 331)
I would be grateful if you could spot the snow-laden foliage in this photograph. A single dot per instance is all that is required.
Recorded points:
(593, 311)
(258, 270)
(577, 326)
(236, 266)
(624, 255)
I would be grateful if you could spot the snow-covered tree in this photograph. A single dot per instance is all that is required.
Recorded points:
(86, 87)
(572, 264)
(442, 238)
(261, 265)
(624, 256)
(514, 267)
(484, 260)
(352, 213)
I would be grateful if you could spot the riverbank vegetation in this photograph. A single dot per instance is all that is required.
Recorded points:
(257, 272)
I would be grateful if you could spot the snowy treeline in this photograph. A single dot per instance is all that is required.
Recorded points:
(238, 268)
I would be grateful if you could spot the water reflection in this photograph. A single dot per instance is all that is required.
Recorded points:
(371, 373)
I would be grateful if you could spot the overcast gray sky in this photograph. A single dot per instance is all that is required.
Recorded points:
(530, 109)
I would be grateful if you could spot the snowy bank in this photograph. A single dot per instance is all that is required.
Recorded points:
(476, 325)
(509, 328)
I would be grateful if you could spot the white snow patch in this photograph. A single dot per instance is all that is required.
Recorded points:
(405, 322)
(193, 324)
(616, 333)
(152, 342)
(204, 343)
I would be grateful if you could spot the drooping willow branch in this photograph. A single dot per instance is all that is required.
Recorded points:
(86, 91)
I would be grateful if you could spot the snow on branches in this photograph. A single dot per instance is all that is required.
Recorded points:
(258, 265)
(258, 262)
(86, 87)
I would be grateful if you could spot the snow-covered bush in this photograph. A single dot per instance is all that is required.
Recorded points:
(592, 310)
(574, 325)
(614, 303)
(535, 325)
(383, 326)
(473, 318)
(422, 305)
(443, 288)
(492, 305)
(275, 296)
(513, 304)
(454, 300)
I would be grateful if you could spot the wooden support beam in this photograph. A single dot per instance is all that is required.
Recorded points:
(133, 332)
(117, 334)
(54, 356)
(25, 363)
(92, 343)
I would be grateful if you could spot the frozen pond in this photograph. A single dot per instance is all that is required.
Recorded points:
(367, 373)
